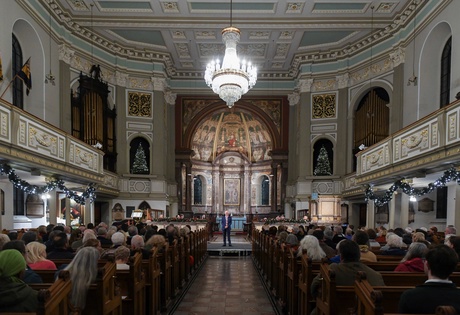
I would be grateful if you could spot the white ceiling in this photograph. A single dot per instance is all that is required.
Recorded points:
(274, 33)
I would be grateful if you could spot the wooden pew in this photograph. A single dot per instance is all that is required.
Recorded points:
(293, 272)
(333, 299)
(104, 297)
(164, 259)
(282, 271)
(273, 253)
(53, 297)
(175, 259)
(132, 286)
(152, 272)
(372, 302)
(309, 270)
(393, 258)
(390, 265)
(183, 261)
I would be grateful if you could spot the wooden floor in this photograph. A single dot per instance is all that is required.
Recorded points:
(227, 285)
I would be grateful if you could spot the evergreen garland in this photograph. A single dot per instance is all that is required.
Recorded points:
(17, 182)
(449, 175)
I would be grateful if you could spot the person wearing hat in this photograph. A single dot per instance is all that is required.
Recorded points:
(15, 295)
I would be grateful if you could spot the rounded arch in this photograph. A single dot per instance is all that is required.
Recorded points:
(370, 121)
(323, 157)
(262, 190)
(430, 67)
(220, 107)
(199, 189)
(364, 90)
(32, 46)
(139, 155)
(232, 131)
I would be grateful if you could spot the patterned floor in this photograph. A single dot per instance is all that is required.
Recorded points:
(226, 285)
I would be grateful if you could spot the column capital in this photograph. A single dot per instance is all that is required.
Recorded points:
(294, 98)
(65, 53)
(121, 78)
(159, 84)
(343, 80)
(170, 98)
(398, 56)
(305, 85)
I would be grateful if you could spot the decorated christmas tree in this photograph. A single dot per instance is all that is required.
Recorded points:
(323, 167)
(140, 162)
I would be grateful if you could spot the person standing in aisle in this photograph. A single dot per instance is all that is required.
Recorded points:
(226, 228)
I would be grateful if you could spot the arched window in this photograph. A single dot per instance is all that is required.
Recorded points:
(18, 88)
(197, 190)
(265, 191)
(446, 58)
(139, 156)
(323, 157)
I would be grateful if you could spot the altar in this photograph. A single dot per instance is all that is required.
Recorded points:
(195, 226)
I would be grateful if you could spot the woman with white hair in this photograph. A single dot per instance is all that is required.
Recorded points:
(83, 272)
(310, 245)
(36, 257)
(413, 260)
(395, 244)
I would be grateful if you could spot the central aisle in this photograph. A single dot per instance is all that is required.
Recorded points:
(226, 285)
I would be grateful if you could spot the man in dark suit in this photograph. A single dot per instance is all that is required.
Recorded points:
(226, 228)
(438, 290)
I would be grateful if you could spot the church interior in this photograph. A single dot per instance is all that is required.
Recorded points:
(349, 113)
(278, 112)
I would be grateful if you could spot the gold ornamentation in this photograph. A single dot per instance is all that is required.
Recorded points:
(414, 140)
(42, 138)
(374, 158)
(139, 104)
(324, 106)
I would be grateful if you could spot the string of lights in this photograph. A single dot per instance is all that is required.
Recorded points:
(89, 193)
(449, 175)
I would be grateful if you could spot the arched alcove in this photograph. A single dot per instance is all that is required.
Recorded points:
(198, 190)
(429, 85)
(323, 157)
(139, 156)
(32, 48)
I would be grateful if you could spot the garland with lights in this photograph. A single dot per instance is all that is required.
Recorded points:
(449, 175)
(17, 182)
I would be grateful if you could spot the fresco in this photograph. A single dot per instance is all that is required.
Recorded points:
(231, 131)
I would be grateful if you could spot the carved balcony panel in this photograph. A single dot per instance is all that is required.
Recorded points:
(34, 143)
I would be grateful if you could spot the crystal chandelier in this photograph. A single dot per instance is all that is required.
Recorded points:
(231, 79)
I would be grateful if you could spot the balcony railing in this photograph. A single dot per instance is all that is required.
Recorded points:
(30, 141)
(428, 144)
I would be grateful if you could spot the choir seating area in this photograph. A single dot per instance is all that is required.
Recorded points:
(288, 279)
(150, 286)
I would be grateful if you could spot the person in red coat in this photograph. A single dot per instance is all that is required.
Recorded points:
(413, 261)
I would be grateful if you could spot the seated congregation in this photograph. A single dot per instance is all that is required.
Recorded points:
(97, 270)
(331, 270)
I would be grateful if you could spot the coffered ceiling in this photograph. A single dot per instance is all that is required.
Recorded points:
(275, 34)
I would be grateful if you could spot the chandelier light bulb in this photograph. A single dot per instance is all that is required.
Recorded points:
(233, 78)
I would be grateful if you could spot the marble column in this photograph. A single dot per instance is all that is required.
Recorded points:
(392, 212)
(65, 57)
(370, 218)
(453, 206)
(160, 132)
(404, 215)
(341, 167)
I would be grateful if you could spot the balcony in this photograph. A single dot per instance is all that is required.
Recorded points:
(429, 145)
(33, 145)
